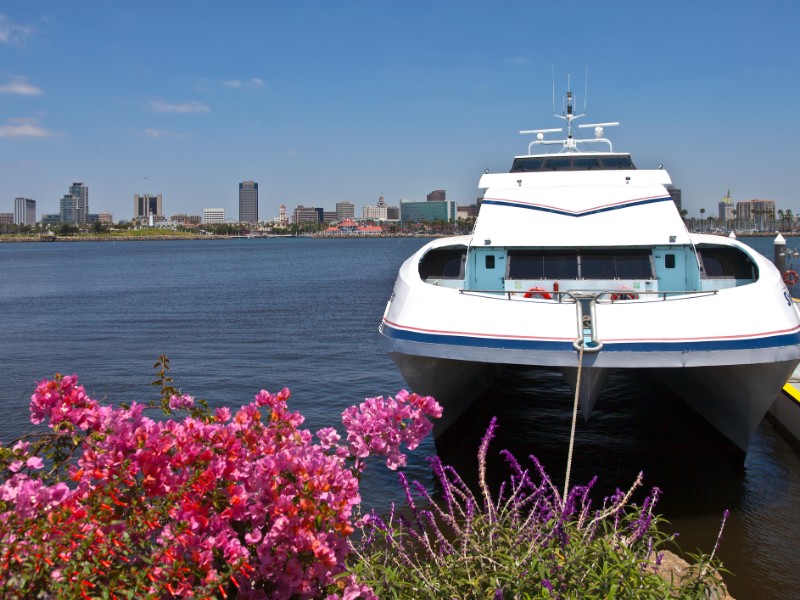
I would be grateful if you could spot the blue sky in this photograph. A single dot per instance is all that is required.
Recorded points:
(321, 102)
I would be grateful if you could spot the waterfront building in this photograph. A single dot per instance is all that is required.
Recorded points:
(392, 213)
(248, 202)
(24, 211)
(675, 194)
(6, 218)
(146, 206)
(379, 212)
(187, 219)
(345, 210)
(437, 196)
(350, 227)
(726, 209)
(68, 209)
(106, 218)
(329, 216)
(755, 214)
(51, 219)
(81, 193)
(307, 214)
(415, 212)
(213, 216)
(469, 211)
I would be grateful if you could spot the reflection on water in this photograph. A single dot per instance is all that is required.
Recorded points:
(639, 426)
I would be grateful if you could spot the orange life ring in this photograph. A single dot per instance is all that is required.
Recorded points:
(624, 294)
(790, 277)
(537, 292)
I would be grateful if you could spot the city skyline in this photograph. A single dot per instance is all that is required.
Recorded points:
(346, 103)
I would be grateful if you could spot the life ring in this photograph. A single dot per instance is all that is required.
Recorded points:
(537, 292)
(790, 277)
(624, 294)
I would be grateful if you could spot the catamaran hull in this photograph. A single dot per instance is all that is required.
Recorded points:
(733, 398)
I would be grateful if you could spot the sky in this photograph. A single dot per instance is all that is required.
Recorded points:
(322, 102)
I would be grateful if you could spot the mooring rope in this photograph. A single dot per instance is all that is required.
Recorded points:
(574, 421)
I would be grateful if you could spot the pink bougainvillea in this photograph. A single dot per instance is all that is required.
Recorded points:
(198, 507)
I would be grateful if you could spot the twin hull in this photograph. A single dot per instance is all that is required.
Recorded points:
(725, 352)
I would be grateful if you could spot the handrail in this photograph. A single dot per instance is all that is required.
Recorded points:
(571, 297)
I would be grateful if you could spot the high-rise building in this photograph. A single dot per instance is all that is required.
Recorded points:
(726, 208)
(24, 211)
(437, 196)
(68, 209)
(213, 216)
(345, 210)
(146, 206)
(248, 202)
(81, 193)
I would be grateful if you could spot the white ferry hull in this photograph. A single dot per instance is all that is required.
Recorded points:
(452, 344)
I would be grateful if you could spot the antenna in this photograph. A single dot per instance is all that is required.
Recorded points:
(586, 90)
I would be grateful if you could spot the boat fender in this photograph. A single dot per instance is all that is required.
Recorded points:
(624, 294)
(790, 277)
(537, 292)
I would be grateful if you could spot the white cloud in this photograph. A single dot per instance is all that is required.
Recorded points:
(184, 107)
(20, 85)
(23, 127)
(161, 133)
(13, 33)
(251, 83)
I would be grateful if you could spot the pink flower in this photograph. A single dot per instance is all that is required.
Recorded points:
(183, 401)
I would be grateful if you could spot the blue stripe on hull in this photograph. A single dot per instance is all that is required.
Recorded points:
(789, 339)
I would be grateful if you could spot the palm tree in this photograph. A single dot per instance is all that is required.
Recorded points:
(789, 217)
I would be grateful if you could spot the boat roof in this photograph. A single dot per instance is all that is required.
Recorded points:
(576, 198)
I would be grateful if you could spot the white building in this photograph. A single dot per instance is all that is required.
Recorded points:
(24, 211)
(379, 212)
(213, 216)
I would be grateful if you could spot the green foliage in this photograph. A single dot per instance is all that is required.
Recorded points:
(526, 543)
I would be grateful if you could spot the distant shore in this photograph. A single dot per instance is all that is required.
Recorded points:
(12, 238)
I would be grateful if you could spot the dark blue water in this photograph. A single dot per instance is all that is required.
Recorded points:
(241, 315)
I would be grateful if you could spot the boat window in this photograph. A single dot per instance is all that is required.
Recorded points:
(616, 264)
(557, 164)
(723, 262)
(561, 266)
(578, 162)
(490, 261)
(669, 261)
(618, 162)
(594, 264)
(586, 163)
(523, 165)
(443, 263)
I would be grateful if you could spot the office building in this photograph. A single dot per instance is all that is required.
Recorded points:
(379, 212)
(726, 208)
(345, 210)
(307, 214)
(437, 196)
(213, 216)
(6, 218)
(416, 212)
(24, 211)
(248, 202)
(68, 209)
(81, 193)
(146, 207)
(675, 194)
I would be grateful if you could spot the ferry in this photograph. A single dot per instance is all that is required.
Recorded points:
(579, 261)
